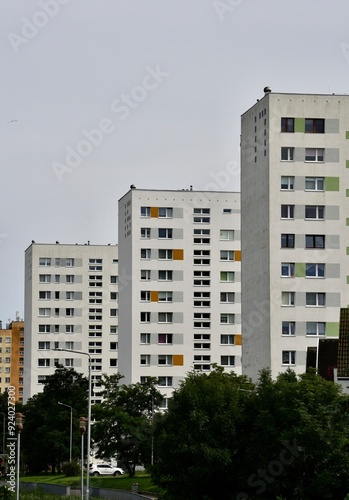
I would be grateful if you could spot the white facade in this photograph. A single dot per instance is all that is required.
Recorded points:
(71, 302)
(179, 284)
(294, 206)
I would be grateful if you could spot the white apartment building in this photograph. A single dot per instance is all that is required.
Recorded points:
(179, 284)
(71, 302)
(294, 224)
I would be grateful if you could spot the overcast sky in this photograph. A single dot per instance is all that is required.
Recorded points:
(100, 94)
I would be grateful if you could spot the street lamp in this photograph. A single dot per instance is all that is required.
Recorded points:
(82, 427)
(19, 427)
(71, 429)
(88, 416)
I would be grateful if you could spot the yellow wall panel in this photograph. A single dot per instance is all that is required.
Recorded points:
(237, 255)
(238, 339)
(154, 296)
(178, 360)
(178, 254)
(154, 212)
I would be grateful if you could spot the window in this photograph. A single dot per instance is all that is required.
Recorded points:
(227, 339)
(113, 362)
(114, 280)
(145, 317)
(227, 319)
(227, 255)
(287, 298)
(165, 317)
(145, 253)
(202, 278)
(44, 345)
(95, 330)
(202, 257)
(70, 311)
(165, 297)
(287, 269)
(287, 124)
(202, 341)
(287, 183)
(44, 295)
(113, 330)
(165, 254)
(165, 233)
(69, 345)
(145, 274)
(288, 328)
(44, 278)
(95, 297)
(227, 210)
(57, 311)
(201, 215)
(314, 125)
(315, 270)
(165, 359)
(227, 276)
(202, 320)
(228, 297)
(69, 362)
(69, 262)
(95, 347)
(287, 154)
(69, 278)
(145, 338)
(43, 362)
(314, 154)
(44, 261)
(287, 240)
(315, 299)
(288, 357)
(226, 234)
(145, 232)
(314, 241)
(44, 328)
(202, 362)
(314, 183)
(113, 346)
(114, 313)
(113, 296)
(227, 360)
(57, 278)
(287, 211)
(165, 275)
(94, 267)
(69, 295)
(57, 295)
(165, 212)
(165, 338)
(163, 405)
(44, 311)
(315, 328)
(145, 296)
(314, 212)
(165, 381)
(202, 299)
(145, 211)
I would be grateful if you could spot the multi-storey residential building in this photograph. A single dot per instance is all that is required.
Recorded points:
(71, 302)
(294, 224)
(12, 358)
(179, 284)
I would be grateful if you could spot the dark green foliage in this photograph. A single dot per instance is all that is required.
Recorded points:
(224, 438)
(123, 426)
(71, 469)
(6, 494)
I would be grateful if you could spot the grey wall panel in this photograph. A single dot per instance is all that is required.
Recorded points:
(78, 278)
(331, 155)
(298, 154)
(177, 212)
(332, 270)
(299, 212)
(332, 241)
(177, 275)
(178, 338)
(332, 212)
(178, 233)
(177, 317)
(331, 126)
(78, 328)
(78, 295)
(77, 262)
(178, 296)
(333, 299)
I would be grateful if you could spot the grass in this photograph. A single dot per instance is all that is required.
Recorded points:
(119, 483)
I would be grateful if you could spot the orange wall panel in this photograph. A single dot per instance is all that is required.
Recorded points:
(154, 296)
(178, 254)
(238, 339)
(178, 360)
(154, 212)
(237, 255)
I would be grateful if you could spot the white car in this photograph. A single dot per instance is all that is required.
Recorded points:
(105, 470)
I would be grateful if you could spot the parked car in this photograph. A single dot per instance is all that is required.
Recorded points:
(105, 470)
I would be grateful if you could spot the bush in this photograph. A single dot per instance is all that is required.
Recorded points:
(5, 493)
(71, 468)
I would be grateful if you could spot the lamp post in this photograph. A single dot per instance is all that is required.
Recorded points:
(71, 429)
(88, 416)
(19, 427)
(82, 427)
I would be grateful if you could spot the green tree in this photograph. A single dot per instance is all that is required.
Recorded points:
(224, 437)
(123, 421)
(46, 430)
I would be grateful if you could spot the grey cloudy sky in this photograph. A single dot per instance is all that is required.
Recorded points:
(107, 93)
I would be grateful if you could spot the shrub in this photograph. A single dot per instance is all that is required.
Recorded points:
(71, 468)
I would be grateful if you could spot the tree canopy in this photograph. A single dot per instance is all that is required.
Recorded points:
(224, 437)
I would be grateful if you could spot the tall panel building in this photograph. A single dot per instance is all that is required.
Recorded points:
(294, 223)
(71, 302)
(12, 358)
(179, 284)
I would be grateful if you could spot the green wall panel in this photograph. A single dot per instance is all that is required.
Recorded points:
(347, 134)
(299, 269)
(299, 125)
(331, 183)
(332, 329)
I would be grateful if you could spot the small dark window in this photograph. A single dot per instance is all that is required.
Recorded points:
(287, 124)
(314, 125)
(287, 241)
